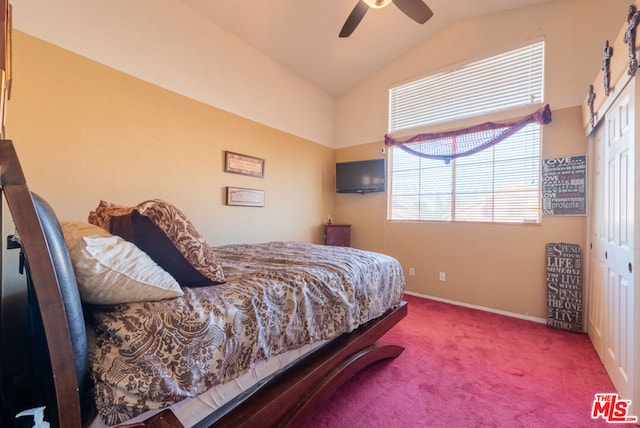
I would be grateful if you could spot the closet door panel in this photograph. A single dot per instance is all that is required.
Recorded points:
(617, 254)
(595, 292)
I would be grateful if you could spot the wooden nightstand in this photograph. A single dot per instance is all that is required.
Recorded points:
(337, 234)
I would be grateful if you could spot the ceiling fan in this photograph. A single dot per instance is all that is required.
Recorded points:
(414, 9)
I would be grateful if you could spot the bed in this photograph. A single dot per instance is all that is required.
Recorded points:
(272, 331)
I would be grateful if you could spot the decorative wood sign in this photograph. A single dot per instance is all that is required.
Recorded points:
(243, 164)
(245, 197)
(564, 286)
(564, 183)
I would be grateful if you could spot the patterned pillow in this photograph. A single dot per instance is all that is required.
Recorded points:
(101, 215)
(110, 270)
(167, 236)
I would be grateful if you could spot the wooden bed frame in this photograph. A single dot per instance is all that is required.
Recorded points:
(285, 400)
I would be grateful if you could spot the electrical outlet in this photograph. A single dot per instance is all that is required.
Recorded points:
(443, 276)
(412, 271)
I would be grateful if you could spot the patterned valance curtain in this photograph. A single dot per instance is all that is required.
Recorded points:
(467, 141)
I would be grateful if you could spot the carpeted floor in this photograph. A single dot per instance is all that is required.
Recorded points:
(468, 368)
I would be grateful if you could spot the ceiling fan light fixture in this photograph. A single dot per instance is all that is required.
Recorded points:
(414, 9)
(377, 4)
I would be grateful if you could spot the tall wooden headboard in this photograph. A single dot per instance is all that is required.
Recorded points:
(46, 286)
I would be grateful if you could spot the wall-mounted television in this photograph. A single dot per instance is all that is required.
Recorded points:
(361, 176)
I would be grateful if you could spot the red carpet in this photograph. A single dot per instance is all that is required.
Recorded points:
(468, 368)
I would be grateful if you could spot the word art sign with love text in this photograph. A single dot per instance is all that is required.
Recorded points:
(564, 184)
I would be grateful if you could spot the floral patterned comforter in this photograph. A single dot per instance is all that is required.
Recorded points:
(278, 296)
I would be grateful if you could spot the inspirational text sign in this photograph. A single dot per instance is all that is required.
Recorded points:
(564, 186)
(564, 286)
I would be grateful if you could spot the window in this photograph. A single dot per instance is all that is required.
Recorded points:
(498, 184)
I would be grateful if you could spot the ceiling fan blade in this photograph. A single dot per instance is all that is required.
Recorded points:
(415, 9)
(354, 19)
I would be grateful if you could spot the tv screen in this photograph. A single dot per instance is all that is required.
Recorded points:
(360, 176)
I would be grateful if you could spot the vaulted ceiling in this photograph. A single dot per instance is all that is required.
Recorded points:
(302, 35)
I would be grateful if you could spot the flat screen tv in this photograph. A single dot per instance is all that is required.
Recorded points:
(361, 176)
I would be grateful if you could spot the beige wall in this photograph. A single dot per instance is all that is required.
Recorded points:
(86, 132)
(496, 266)
(169, 44)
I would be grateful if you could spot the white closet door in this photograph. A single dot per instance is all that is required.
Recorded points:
(595, 292)
(617, 259)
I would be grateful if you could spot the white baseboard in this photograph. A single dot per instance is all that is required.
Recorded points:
(482, 308)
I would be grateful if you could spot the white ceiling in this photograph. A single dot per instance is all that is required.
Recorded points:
(302, 35)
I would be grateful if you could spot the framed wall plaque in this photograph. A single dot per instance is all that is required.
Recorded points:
(243, 164)
(240, 196)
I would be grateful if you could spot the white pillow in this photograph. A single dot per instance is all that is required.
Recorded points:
(110, 270)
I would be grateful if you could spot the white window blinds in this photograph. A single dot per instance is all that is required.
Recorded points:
(509, 80)
(499, 184)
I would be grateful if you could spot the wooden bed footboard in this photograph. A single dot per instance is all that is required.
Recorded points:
(291, 397)
(287, 399)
